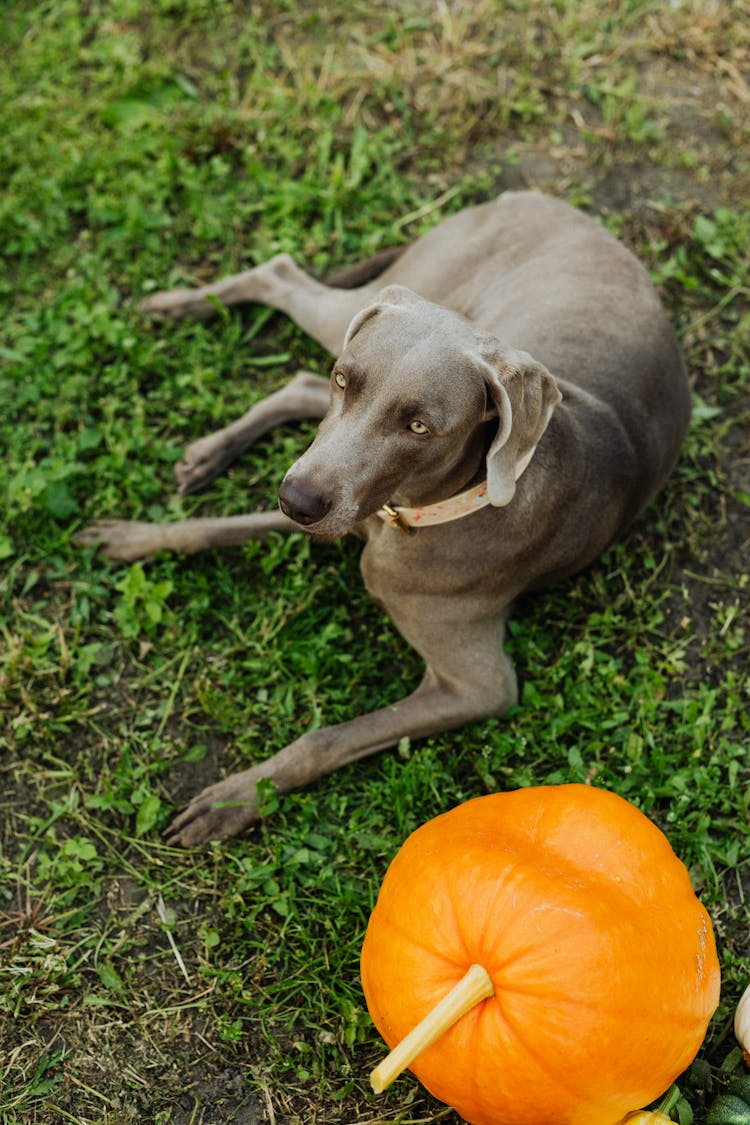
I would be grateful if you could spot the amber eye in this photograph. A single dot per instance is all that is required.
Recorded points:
(418, 427)
(340, 379)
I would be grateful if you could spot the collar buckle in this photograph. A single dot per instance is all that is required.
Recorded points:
(396, 519)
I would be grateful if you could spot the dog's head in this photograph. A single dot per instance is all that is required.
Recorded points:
(414, 395)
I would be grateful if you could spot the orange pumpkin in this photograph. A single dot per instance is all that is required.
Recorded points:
(601, 967)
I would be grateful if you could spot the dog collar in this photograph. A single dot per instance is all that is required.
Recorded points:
(454, 508)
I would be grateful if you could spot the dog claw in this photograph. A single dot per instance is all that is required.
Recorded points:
(122, 540)
(204, 460)
(191, 477)
(219, 812)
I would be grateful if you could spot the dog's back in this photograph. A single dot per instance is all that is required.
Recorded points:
(543, 277)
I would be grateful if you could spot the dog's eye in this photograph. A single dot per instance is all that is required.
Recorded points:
(339, 379)
(418, 427)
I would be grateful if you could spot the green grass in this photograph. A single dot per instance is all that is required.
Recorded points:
(152, 144)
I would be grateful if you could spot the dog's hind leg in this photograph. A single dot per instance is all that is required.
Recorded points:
(306, 396)
(322, 311)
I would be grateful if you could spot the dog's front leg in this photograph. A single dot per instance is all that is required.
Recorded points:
(128, 540)
(480, 683)
(306, 396)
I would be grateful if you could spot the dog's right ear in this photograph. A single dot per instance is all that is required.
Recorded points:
(525, 394)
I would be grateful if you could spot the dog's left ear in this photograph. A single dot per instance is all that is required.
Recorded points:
(388, 297)
(525, 395)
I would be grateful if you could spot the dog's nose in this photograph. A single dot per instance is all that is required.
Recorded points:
(302, 505)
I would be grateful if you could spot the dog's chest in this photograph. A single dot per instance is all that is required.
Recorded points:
(428, 563)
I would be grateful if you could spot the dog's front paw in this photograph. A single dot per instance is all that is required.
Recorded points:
(122, 540)
(205, 459)
(222, 810)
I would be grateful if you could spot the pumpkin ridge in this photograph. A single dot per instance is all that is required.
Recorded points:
(476, 1092)
(555, 823)
(558, 1077)
(529, 847)
(401, 930)
(448, 872)
(476, 949)
(479, 1093)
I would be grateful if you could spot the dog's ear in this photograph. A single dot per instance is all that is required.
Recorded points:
(358, 321)
(525, 394)
(388, 296)
(398, 295)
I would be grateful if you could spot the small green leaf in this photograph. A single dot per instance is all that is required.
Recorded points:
(195, 753)
(684, 1112)
(704, 413)
(59, 501)
(147, 815)
(110, 978)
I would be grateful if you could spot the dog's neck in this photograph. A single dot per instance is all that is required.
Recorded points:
(454, 506)
(469, 470)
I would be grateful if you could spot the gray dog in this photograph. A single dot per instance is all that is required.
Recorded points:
(507, 397)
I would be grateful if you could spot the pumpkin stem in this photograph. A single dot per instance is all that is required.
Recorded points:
(646, 1117)
(476, 985)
